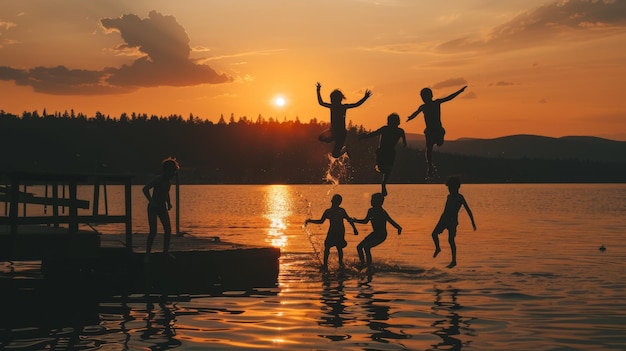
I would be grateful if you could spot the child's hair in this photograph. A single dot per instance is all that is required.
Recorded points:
(336, 96)
(393, 119)
(378, 199)
(453, 182)
(336, 199)
(170, 166)
(426, 94)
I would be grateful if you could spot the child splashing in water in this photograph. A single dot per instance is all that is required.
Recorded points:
(336, 231)
(379, 218)
(450, 217)
(337, 131)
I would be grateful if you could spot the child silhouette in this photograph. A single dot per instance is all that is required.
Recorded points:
(379, 218)
(450, 217)
(337, 131)
(432, 118)
(159, 203)
(386, 152)
(336, 231)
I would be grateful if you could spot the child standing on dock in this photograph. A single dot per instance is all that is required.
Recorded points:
(336, 231)
(379, 218)
(159, 203)
(337, 131)
(450, 217)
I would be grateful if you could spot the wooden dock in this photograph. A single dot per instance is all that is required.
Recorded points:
(114, 264)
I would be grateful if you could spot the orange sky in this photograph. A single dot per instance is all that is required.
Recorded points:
(552, 68)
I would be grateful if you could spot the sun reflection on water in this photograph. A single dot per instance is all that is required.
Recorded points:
(277, 200)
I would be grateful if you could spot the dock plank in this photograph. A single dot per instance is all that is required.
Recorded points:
(177, 243)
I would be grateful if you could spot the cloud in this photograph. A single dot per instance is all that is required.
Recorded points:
(62, 81)
(470, 95)
(502, 84)
(452, 82)
(6, 25)
(584, 18)
(165, 61)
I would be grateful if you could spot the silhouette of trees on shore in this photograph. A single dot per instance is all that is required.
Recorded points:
(243, 151)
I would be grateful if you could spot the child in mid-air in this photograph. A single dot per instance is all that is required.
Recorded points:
(379, 218)
(432, 117)
(336, 231)
(450, 217)
(337, 131)
(386, 152)
(159, 203)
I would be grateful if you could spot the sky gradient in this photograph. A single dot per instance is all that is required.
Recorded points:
(552, 68)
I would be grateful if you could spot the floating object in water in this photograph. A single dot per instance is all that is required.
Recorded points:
(602, 248)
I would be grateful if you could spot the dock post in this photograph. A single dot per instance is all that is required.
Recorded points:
(13, 208)
(96, 196)
(73, 220)
(129, 218)
(55, 207)
(177, 205)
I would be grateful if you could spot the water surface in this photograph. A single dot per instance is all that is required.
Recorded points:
(530, 278)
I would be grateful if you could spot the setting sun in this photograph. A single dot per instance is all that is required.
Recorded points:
(280, 101)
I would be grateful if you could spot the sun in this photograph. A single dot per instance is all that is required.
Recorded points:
(280, 101)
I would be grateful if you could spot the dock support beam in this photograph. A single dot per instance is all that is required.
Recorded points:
(129, 224)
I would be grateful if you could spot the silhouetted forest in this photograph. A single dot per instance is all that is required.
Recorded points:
(245, 151)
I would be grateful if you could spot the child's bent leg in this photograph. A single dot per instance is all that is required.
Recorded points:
(167, 230)
(429, 157)
(451, 236)
(339, 147)
(435, 236)
(368, 257)
(326, 254)
(360, 250)
(340, 256)
(152, 222)
(384, 184)
(339, 150)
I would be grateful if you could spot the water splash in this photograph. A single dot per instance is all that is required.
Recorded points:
(338, 170)
(309, 234)
(433, 175)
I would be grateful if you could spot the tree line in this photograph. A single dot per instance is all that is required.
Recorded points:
(243, 151)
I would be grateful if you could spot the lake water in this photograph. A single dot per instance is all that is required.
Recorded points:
(531, 277)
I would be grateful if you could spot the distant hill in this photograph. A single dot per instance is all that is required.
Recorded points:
(583, 148)
(272, 152)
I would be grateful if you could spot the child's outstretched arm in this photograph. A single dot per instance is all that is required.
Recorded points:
(469, 213)
(364, 220)
(356, 232)
(361, 221)
(368, 93)
(319, 96)
(317, 221)
(393, 223)
(453, 95)
(414, 114)
(370, 135)
(314, 221)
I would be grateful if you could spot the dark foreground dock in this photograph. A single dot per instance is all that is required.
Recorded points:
(107, 264)
(103, 265)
